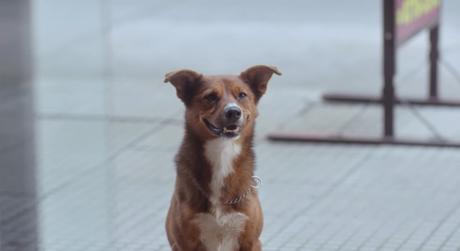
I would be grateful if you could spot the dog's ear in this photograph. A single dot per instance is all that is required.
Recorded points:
(185, 82)
(257, 78)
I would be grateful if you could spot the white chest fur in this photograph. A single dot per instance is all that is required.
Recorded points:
(220, 231)
(220, 153)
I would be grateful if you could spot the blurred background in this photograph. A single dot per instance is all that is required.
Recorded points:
(88, 129)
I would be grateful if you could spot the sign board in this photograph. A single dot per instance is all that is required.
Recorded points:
(413, 16)
(402, 19)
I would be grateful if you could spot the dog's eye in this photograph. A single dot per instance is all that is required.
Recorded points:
(242, 95)
(211, 98)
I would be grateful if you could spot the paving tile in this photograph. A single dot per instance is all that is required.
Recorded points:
(67, 148)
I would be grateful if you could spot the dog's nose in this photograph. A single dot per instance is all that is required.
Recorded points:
(232, 113)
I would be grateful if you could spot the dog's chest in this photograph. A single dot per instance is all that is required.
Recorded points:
(221, 154)
(220, 231)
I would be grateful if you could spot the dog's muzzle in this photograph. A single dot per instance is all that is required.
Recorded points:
(231, 120)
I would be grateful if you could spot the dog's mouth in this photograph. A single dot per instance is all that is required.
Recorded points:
(228, 131)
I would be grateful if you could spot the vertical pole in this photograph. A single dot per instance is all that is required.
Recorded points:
(389, 66)
(18, 171)
(434, 57)
(15, 60)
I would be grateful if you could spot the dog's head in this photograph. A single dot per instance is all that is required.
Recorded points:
(221, 105)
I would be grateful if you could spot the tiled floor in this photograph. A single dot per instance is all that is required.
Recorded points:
(86, 151)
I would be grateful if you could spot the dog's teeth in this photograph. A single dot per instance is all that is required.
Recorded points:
(228, 130)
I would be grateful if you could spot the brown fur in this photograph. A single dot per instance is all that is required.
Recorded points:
(194, 172)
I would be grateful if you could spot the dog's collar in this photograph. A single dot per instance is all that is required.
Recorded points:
(256, 182)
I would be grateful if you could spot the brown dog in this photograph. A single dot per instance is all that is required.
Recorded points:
(215, 205)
